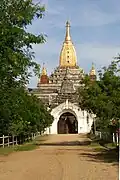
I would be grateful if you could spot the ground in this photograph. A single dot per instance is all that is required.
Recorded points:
(60, 157)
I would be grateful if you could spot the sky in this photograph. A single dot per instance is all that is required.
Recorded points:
(95, 32)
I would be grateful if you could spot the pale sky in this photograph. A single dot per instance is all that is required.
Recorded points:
(95, 32)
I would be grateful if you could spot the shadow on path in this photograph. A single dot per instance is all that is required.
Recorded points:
(108, 156)
(66, 143)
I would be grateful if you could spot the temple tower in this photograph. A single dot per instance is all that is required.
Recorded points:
(68, 56)
(60, 92)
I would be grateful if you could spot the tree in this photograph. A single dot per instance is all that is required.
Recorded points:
(15, 41)
(19, 112)
(102, 97)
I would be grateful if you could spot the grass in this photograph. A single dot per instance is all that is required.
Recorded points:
(6, 150)
(29, 146)
(100, 142)
(111, 145)
(106, 151)
(96, 146)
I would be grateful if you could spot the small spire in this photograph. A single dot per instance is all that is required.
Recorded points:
(43, 77)
(67, 37)
(93, 67)
(44, 71)
(92, 71)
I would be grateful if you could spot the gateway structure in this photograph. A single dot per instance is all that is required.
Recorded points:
(59, 92)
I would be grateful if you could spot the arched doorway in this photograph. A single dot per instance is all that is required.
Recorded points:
(67, 124)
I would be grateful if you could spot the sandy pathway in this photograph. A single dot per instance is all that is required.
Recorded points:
(56, 163)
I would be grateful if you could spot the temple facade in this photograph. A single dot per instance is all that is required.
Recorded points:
(59, 92)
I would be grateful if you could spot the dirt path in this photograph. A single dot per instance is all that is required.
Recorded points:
(57, 163)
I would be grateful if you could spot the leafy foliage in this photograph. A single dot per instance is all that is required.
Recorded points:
(15, 41)
(102, 97)
(22, 114)
(19, 112)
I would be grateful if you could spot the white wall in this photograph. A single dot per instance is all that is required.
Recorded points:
(80, 115)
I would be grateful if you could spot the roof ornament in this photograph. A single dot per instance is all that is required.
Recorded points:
(44, 71)
(67, 37)
(92, 71)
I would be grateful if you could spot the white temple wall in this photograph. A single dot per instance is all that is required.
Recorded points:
(81, 116)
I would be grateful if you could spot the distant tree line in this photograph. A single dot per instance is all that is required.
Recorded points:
(20, 113)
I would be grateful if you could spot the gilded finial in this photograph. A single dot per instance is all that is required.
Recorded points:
(67, 37)
(44, 71)
(93, 67)
(67, 24)
(92, 71)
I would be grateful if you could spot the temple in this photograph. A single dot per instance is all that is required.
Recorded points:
(59, 92)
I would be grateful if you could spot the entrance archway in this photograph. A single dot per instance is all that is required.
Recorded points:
(67, 124)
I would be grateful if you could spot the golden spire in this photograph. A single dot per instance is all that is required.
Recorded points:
(92, 71)
(68, 55)
(67, 37)
(44, 71)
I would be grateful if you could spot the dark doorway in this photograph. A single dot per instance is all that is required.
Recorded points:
(67, 124)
